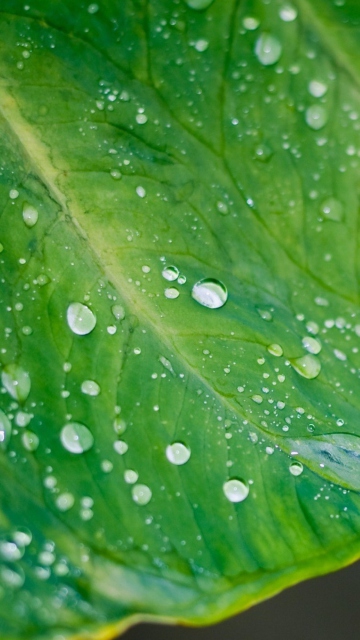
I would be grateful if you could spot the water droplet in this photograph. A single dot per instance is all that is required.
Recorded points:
(312, 327)
(65, 501)
(210, 293)
(199, 5)
(317, 88)
(316, 117)
(222, 208)
(30, 440)
(170, 273)
(250, 23)
(76, 438)
(16, 382)
(177, 453)
(288, 13)
(201, 45)
(10, 551)
(93, 8)
(22, 536)
(181, 279)
(235, 490)
(30, 215)
(263, 152)
(5, 430)
(257, 399)
(308, 366)
(275, 350)
(13, 194)
(296, 468)
(120, 447)
(141, 494)
(80, 319)
(90, 388)
(141, 192)
(332, 209)
(141, 118)
(268, 49)
(130, 476)
(118, 311)
(311, 345)
(119, 425)
(115, 174)
(340, 355)
(171, 293)
(12, 577)
(264, 314)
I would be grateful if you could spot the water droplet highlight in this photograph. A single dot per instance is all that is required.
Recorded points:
(76, 438)
(316, 117)
(30, 441)
(90, 388)
(177, 453)
(317, 88)
(80, 319)
(141, 494)
(332, 209)
(210, 293)
(275, 350)
(171, 293)
(235, 490)
(30, 215)
(170, 273)
(296, 468)
(268, 49)
(16, 382)
(311, 345)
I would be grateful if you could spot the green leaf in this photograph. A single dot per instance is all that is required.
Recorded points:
(180, 322)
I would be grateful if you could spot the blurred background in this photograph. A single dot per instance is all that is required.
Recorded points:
(326, 608)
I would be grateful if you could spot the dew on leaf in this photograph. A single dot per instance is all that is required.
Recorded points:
(312, 327)
(140, 192)
(199, 5)
(76, 438)
(170, 273)
(22, 536)
(118, 311)
(177, 453)
(288, 13)
(171, 293)
(30, 215)
(120, 447)
(115, 174)
(317, 88)
(93, 8)
(5, 430)
(268, 49)
(296, 468)
(235, 490)
(316, 117)
(90, 388)
(13, 194)
(65, 501)
(332, 209)
(16, 382)
(222, 208)
(119, 425)
(311, 345)
(307, 366)
(130, 476)
(10, 551)
(275, 350)
(201, 45)
(264, 314)
(210, 293)
(80, 319)
(141, 118)
(30, 440)
(250, 23)
(12, 577)
(141, 494)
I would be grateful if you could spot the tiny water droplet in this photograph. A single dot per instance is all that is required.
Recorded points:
(296, 468)
(5, 430)
(30, 215)
(332, 209)
(199, 5)
(171, 293)
(141, 494)
(275, 350)
(311, 345)
(16, 382)
(177, 453)
(170, 273)
(210, 293)
(235, 490)
(76, 438)
(268, 49)
(30, 440)
(222, 208)
(90, 388)
(80, 319)
(308, 366)
(264, 314)
(316, 117)
(263, 152)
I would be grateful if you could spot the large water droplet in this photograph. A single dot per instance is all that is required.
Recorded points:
(210, 293)
(296, 468)
(332, 209)
(199, 5)
(170, 273)
(141, 494)
(80, 318)
(5, 430)
(235, 490)
(177, 453)
(90, 388)
(30, 215)
(16, 382)
(76, 438)
(308, 366)
(30, 440)
(316, 117)
(311, 345)
(268, 49)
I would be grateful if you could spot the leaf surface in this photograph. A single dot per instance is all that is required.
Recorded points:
(180, 326)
